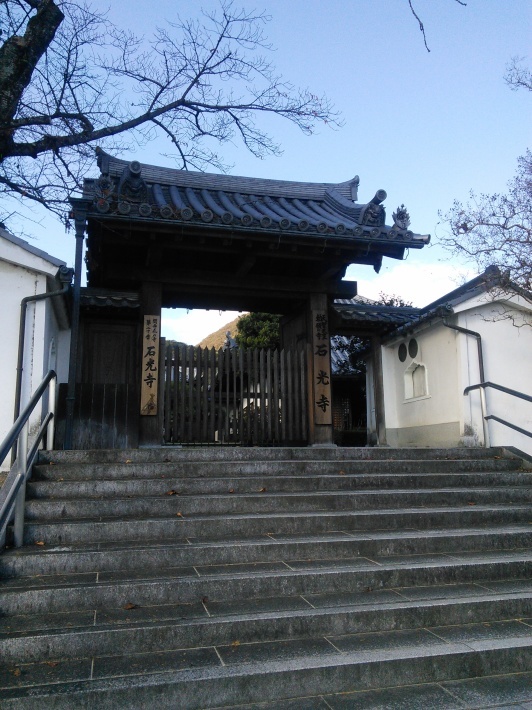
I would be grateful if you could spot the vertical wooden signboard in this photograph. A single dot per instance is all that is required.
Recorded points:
(150, 366)
(322, 368)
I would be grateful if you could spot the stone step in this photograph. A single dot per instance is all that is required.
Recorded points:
(211, 578)
(266, 502)
(86, 557)
(82, 591)
(242, 453)
(500, 692)
(243, 673)
(223, 467)
(248, 525)
(114, 631)
(68, 488)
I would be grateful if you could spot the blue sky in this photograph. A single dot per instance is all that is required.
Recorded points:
(426, 127)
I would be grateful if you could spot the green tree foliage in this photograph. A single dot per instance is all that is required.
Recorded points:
(259, 330)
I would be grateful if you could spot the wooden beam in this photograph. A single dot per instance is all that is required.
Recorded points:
(246, 265)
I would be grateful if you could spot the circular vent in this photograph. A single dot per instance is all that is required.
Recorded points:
(124, 207)
(144, 209)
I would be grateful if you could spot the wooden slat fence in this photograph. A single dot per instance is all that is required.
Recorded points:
(233, 396)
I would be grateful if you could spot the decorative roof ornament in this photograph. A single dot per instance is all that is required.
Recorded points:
(401, 218)
(373, 214)
(131, 185)
(355, 182)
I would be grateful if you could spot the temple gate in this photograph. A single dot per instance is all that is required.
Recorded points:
(164, 238)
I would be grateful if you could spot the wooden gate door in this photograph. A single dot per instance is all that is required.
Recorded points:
(233, 396)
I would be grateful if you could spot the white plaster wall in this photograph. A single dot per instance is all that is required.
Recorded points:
(445, 416)
(23, 274)
(507, 346)
(437, 352)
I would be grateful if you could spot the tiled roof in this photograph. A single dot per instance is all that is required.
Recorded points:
(354, 311)
(140, 192)
(401, 319)
(103, 298)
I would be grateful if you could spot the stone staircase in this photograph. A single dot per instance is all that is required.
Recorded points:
(285, 579)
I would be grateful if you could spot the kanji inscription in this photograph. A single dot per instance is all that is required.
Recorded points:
(150, 365)
(321, 369)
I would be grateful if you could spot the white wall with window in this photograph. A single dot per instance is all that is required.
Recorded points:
(426, 370)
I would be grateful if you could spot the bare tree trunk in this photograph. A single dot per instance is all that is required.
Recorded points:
(19, 57)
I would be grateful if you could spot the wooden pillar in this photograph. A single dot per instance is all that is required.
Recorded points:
(319, 383)
(149, 371)
(378, 388)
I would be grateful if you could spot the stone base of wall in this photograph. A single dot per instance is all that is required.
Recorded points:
(441, 435)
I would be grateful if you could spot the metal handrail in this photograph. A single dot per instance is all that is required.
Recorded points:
(485, 417)
(13, 492)
(515, 393)
(512, 426)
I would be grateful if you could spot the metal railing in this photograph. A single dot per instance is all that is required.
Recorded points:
(13, 492)
(485, 417)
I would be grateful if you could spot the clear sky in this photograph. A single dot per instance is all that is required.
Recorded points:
(426, 127)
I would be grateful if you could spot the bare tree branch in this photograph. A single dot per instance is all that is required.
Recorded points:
(70, 80)
(496, 229)
(420, 23)
(518, 76)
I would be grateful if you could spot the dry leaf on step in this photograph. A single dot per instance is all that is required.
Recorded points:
(130, 606)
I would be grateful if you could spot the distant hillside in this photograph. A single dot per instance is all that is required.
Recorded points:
(217, 339)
